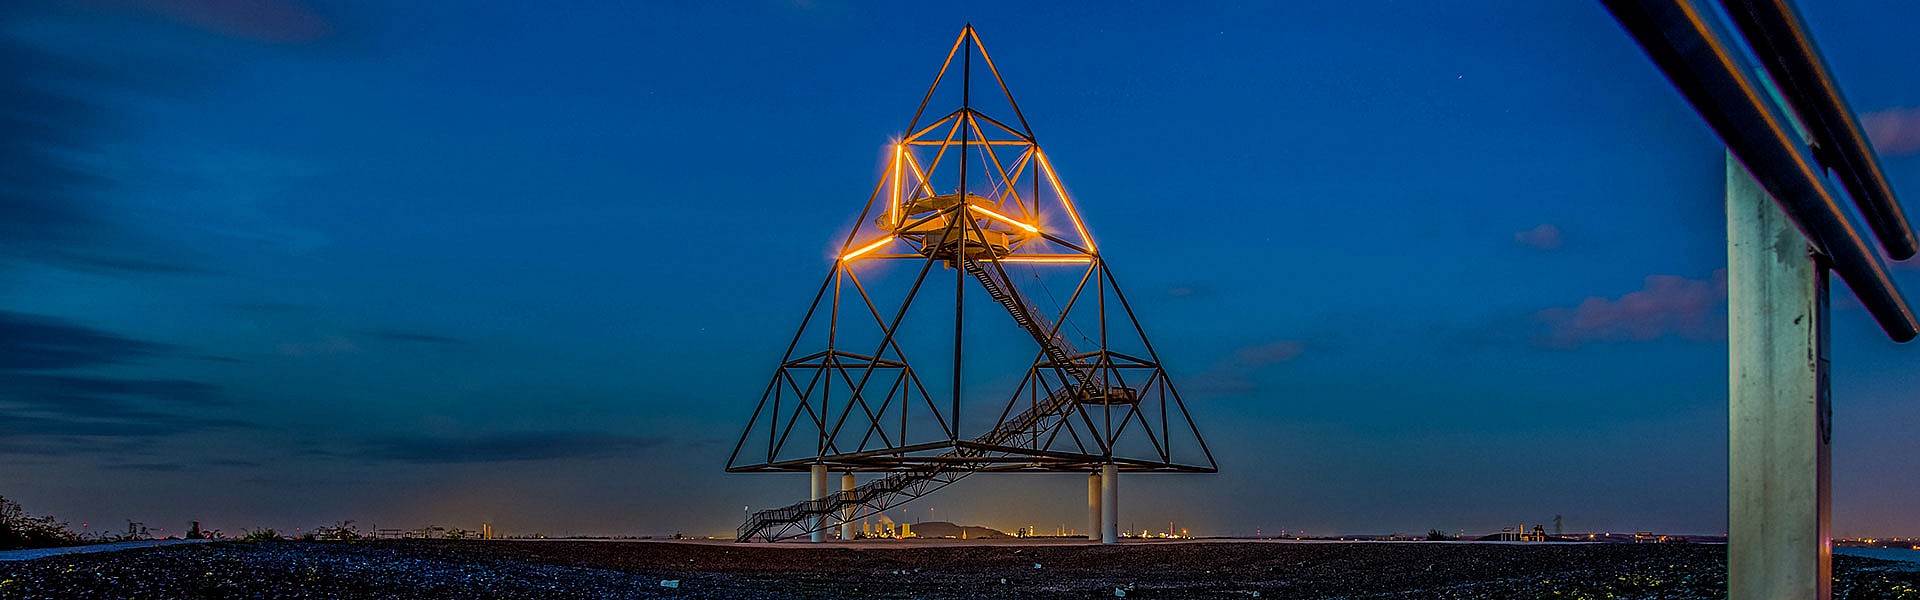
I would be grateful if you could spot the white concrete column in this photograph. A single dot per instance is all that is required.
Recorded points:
(818, 490)
(1778, 430)
(1093, 506)
(1109, 504)
(846, 514)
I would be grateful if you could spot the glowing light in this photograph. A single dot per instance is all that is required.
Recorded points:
(1047, 165)
(1056, 259)
(1004, 218)
(867, 248)
(894, 206)
(919, 175)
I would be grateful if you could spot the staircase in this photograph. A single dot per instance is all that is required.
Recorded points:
(900, 487)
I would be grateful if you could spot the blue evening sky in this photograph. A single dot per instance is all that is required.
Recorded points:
(1416, 265)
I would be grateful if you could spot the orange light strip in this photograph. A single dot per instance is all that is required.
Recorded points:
(868, 248)
(1053, 178)
(923, 131)
(1008, 220)
(917, 173)
(1046, 259)
(970, 142)
(893, 206)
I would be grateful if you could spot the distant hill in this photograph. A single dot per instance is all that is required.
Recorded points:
(936, 529)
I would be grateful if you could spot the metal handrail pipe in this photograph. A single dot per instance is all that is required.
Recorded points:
(1779, 38)
(1679, 38)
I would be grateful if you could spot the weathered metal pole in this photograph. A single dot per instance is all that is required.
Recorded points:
(846, 514)
(1109, 504)
(1779, 430)
(1093, 506)
(818, 490)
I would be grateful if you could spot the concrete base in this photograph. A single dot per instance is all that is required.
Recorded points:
(1778, 436)
(818, 489)
(1093, 506)
(1109, 504)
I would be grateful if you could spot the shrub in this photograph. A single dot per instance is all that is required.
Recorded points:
(21, 530)
(344, 530)
(260, 535)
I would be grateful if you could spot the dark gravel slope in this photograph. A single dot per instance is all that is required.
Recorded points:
(507, 569)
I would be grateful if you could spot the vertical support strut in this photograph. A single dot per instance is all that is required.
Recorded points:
(1779, 425)
(817, 490)
(1093, 507)
(1109, 504)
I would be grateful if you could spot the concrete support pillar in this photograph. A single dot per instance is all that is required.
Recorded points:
(1093, 506)
(817, 490)
(846, 514)
(1778, 436)
(1109, 504)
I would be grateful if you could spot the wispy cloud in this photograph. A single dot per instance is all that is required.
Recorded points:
(1234, 374)
(1894, 132)
(1260, 355)
(272, 21)
(55, 406)
(1544, 237)
(36, 342)
(394, 335)
(504, 447)
(99, 393)
(1666, 305)
(56, 112)
(327, 345)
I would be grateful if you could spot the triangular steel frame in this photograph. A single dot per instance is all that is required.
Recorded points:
(1073, 411)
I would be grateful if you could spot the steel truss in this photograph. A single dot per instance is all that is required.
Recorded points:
(859, 404)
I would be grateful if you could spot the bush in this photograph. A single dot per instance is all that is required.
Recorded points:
(260, 535)
(341, 531)
(21, 530)
(1435, 535)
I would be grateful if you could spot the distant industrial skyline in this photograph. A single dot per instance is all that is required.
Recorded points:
(351, 260)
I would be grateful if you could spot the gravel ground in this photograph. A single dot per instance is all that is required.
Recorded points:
(30, 554)
(550, 569)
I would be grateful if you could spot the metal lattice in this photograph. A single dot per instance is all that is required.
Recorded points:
(859, 405)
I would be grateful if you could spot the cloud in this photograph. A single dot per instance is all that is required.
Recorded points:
(36, 342)
(1269, 353)
(1234, 374)
(151, 467)
(55, 115)
(1186, 291)
(98, 394)
(20, 428)
(504, 447)
(413, 336)
(1544, 237)
(54, 406)
(273, 21)
(1666, 305)
(325, 346)
(1894, 132)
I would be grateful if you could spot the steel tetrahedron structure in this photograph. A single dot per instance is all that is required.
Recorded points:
(968, 324)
